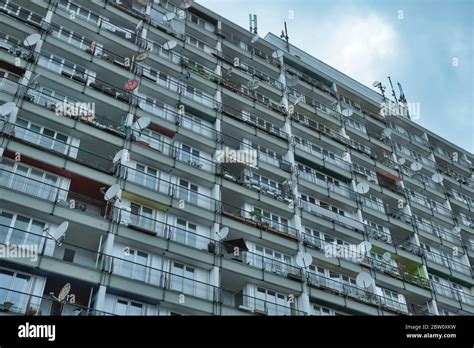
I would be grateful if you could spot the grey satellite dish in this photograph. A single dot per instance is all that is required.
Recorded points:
(114, 192)
(364, 280)
(401, 160)
(416, 166)
(59, 233)
(457, 229)
(224, 232)
(347, 112)
(298, 100)
(387, 256)
(122, 156)
(64, 292)
(186, 4)
(437, 178)
(169, 45)
(34, 79)
(254, 38)
(365, 246)
(32, 40)
(253, 84)
(387, 132)
(376, 83)
(169, 16)
(7, 108)
(292, 81)
(141, 124)
(277, 54)
(362, 188)
(303, 260)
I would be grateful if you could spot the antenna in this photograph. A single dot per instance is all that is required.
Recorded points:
(31, 40)
(401, 160)
(364, 280)
(141, 124)
(393, 91)
(416, 166)
(437, 178)
(123, 156)
(402, 95)
(114, 192)
(253, 23)
(284, 36)
(63, 293)
(223, 233)
(382, 88)
(362, 188)
(347, 112)
(304, 260)
(59, 233)
(255, 38)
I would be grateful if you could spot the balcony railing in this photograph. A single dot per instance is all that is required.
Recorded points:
(452, 293)
(448, 262)
(330, 158)
(339, 189)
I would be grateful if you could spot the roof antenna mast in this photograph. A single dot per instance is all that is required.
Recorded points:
(284, 36)
(253, 23)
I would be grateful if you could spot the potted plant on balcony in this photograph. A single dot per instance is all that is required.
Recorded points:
(256, 216)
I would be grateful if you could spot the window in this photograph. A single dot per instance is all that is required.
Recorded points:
(126, 307)
(133, 264)
(13, 288)
(18, 229)
(185, 232)
(188, 191)
(271, 302)
(272, 220)
(190, 155)
(145, 176)
(271, 260)
(154, 139)
(323, 311)
(142, 216)
(182, 278)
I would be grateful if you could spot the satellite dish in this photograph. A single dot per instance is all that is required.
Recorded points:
(64, 292)
(298, 100)
(387, 132)
(437, 178)
(7, 108)
(141, 124)
(113, 192)
(347, 112)
(131, 85)
(59, 233)
(139, 26)
(140, 57)
(32, 40)
(362, 188)
(401, 160)
(292, 81)
(277, 54)
(34, 79)
(169, 16)
(416, 166)
(364, 280)
(376, 83)
(254, 38)
(253, 84)
(303, 260)
(387, 256)
(365, 246)
(186, 4)
(224, 232)
(457, 229)
(169, 45)
(122, 156)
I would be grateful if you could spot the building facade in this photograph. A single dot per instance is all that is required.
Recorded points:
(158, 159)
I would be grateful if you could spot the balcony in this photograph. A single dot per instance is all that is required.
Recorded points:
(451, 293)
(448, 262)
(339, 189)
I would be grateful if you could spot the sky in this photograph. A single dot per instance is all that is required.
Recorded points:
(426, 45)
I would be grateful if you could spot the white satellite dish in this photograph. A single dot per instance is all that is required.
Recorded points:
(59, 233)
(139, 26)
(362, 188)
(303, 260)
(387, 132)
(253, 84)
(347, 112)
(141, 124)
(7, 108)
(114, 192)
(64, 292)
(437, 178)
(416, 166)
(292, 81)
(376, 83)
(34, 79)
(122, 156)
(387, 256)
(254, 38)
(457, 229)
(169, 45)
(298, 100)
(277, 54)
(224, 232)
(32, 39)
(364, 280)
(186, 4)
(169, 16)
(401, 160)
(365, 246)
